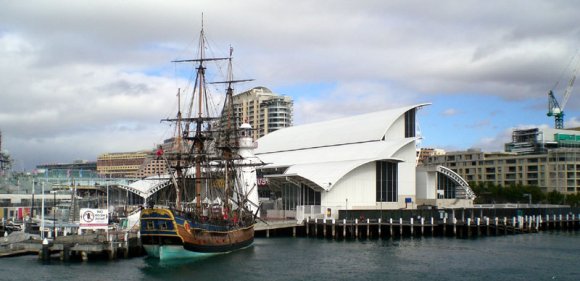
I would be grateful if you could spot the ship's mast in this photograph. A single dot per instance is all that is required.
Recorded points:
(227, 152)
(1, 155)
(198, 146)
(198, 141)
(178, 143)
(194, 125)
(229, 136)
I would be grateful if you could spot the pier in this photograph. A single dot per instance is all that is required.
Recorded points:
(416, 224)
(111, 245)
(456, 223)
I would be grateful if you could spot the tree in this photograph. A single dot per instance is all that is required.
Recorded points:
(555, 197)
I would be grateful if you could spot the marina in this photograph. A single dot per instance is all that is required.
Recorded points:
(126, 244)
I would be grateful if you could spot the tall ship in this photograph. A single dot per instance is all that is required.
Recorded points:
(210, 204)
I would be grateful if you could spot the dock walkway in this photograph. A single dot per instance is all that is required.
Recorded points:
(111, 245)
(377, 228)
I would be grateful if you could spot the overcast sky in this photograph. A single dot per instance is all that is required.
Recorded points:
(81, 78)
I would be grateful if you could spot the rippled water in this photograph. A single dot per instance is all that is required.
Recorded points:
(542, 256)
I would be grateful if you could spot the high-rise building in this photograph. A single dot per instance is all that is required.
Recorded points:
(264, 110)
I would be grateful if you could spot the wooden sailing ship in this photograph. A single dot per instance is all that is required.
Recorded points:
(211, 204)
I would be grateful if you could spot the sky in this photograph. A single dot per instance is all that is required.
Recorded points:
(83, 78)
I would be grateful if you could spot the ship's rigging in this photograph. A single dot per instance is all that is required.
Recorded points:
(204, 152)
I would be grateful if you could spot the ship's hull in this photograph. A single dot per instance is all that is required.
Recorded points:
(170, 252)
(166, 234)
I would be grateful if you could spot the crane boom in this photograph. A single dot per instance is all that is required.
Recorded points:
(566, 96)
(555, 108)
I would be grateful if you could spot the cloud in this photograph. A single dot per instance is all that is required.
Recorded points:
(347, 99)
(97, 74)
(573, 122)
(479, 124)
(450, 112)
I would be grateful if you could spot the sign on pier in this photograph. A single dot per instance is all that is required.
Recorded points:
(94, 219)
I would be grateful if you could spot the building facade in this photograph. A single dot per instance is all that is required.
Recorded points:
(121, 165)
(152, 166)
(547, 158)
(76, 170)
(364, 162)
(265, 111)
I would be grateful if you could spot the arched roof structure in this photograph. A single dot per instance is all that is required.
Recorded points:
(322, 153)
(148, 186)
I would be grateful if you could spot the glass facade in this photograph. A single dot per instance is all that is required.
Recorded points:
(445, 187)
(410, 123)
(387, 181)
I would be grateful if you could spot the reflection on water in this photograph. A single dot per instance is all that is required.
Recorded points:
(543, 256)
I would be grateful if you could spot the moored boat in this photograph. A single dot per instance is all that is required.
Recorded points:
(211, 204)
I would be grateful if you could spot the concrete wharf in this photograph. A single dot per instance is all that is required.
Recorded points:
(111, 245)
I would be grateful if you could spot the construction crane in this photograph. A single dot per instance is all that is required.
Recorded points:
(557, 109)
(4, 160)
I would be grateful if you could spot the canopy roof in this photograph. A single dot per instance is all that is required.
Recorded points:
(148, 186)
(323, 153)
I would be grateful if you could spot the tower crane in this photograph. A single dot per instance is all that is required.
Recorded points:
(557, 109)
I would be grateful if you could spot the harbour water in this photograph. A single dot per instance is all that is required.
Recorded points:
(540, 256)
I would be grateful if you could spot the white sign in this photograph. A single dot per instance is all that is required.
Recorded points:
(94, 219)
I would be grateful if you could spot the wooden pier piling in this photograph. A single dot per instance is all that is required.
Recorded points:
(467, 225)
(68, 246)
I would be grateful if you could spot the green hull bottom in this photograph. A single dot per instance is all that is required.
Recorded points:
(169, 252)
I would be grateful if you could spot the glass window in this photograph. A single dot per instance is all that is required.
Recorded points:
(387, 181)
(410, 123)
(446, 185)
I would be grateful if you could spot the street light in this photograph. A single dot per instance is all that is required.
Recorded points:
(42, 215)
(346, 209)
(529, 195)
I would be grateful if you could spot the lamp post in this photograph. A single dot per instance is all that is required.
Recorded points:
(108, 215)
(32, 203)
(346, 209)
(107, 197)
(42, 215)
(54, 213)
(529, 195)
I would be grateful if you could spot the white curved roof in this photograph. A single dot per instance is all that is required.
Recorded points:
(147, 186)
(360, 128)
(327, 165)
(324, 152)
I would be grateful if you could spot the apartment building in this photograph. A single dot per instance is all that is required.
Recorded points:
(264, 110)
(121, 165)
(547, 158)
